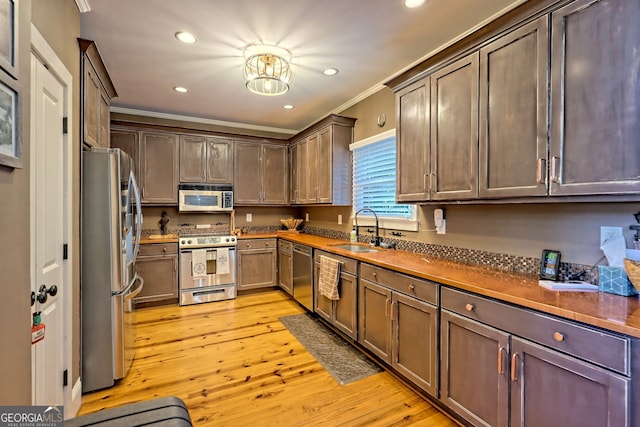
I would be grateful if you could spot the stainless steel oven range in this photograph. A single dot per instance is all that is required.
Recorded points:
(207, 268)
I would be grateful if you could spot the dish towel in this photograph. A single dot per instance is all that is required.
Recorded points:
(222, 261)
(329, 277)
(199, 263)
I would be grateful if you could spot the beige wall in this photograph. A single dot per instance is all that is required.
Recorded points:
(15, 317)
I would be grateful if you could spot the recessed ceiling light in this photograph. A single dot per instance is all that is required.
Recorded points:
(330, 71)
(186, 37)
(288, 107)
(181, 89)
(413, 3)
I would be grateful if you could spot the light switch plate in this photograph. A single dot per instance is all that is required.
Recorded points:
(339, 219)
(249, 217)
(608, 233)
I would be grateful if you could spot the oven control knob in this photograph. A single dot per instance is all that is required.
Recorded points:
(189, 241)
(226, 240)
(182, 242)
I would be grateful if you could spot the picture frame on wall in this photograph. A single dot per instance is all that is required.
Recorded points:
(8, 37)
(10, 147)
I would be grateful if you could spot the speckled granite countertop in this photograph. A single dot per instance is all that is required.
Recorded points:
(608, 311)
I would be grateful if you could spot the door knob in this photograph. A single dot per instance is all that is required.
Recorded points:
(43, 293)
(33, 298)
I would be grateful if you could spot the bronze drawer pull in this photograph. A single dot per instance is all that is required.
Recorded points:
(558, 336)
(469, 307)
(411, 287)
(513, 366)
(164, 249)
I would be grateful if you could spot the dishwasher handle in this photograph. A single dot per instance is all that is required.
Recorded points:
(305, 250)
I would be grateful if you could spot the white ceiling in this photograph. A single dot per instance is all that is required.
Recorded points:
(369, 41)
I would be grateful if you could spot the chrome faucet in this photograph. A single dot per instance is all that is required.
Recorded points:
(376, 239)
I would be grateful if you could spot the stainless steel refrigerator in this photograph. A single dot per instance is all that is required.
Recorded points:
(111, 226)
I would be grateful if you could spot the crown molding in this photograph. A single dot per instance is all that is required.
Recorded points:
(83, 6)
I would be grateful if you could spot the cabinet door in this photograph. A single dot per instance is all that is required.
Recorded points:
(303, 172)
(160, 274)
(159, 168)
(256, 268)
(413, 142)
(415, 341)
(104, 120)
(345, 308)
(513, 113)
(324, 172)
(91, 105)
(454, 130)
(275, 176)
(322, 305)
(374, 331)
(595, 101)
(294, 181)
(219, 161)
(311, 195)
(552, 389)
(127, 140)
(285, 271)
(472, 383)
(193, 159)
(247, 173)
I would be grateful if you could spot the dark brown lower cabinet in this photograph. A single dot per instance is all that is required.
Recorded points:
(257, 263)
(285, 266)
(491, 377)
(340, 313)
(157, 264)
(398, 328)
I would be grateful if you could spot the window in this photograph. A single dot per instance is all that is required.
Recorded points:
(374, 183)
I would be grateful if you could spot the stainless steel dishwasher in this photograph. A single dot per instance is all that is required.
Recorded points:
(303, 276)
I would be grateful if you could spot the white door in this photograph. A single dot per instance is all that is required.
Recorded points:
(48, 162)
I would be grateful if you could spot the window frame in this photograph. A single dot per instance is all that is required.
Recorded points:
(366, 219)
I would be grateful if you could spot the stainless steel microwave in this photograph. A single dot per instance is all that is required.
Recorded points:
(204, 198)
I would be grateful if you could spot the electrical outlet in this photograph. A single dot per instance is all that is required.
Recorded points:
(306, 217)
(608, 233)
(339, 219)
(203, 225)
(249, 217)
(439, 221)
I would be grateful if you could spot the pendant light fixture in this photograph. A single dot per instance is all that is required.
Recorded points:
(267, 69)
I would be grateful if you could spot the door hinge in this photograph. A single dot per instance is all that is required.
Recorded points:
(65, 378)
(65, 123)
(65, 251)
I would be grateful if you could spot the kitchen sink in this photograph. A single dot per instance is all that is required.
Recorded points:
(355, 248)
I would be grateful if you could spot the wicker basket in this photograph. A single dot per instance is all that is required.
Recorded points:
(633, 272)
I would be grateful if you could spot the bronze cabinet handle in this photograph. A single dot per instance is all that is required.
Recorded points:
(469, 307)
(557, 336)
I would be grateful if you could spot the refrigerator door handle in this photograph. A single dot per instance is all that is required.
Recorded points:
(126, 290)
(135, 293)
(136, 195)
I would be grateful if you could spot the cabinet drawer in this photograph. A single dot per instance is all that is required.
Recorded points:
(158, 249)
(285, 245)
(349, 266)
(418, 288)
(257, 244)
(601, 347)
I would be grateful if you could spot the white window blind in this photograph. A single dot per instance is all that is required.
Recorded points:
(374, 182)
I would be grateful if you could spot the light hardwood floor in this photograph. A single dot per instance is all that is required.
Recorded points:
(235, 364)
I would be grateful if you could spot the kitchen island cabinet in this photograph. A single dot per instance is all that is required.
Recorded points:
(340, 313)
(398, 320)
(260, 174)
(257, 260)
(528, 368)
(157, 264)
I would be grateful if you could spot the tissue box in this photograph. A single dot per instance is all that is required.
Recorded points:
(615, 281)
